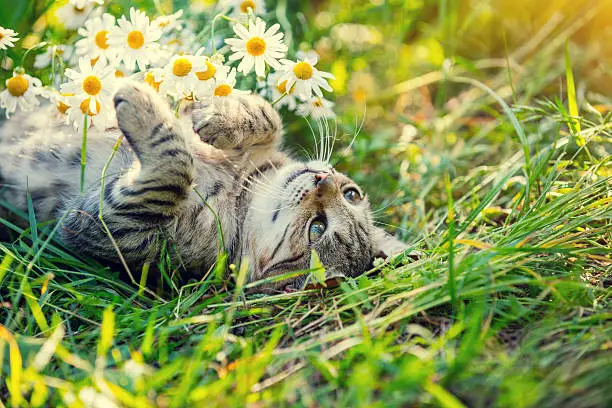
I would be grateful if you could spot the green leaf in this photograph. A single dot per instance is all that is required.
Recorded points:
(107, 332)
(572, 104)
(318, 270)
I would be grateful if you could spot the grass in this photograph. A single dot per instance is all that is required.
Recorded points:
(511, 204)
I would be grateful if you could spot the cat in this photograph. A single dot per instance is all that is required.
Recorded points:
(178, 179)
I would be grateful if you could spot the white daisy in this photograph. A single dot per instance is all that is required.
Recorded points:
(279, 88)
(224, 85)
(135, 40)
(214, 70)
(60, 101)
(73, 16)
(21, 90)
(240, 8)
(59, 51)
(316, 108)
(303, 75)
(94, 84)
(94, 43)
(169, 22)
(101, 116)
(7, 38)
(256, 47)
(154, 78)
(179, 75)
(121, 71)
(83, 3)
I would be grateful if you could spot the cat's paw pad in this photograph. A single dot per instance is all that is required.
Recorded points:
(139, 109)
(128, 98)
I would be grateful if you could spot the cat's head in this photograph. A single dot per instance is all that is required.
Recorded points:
(306, 206)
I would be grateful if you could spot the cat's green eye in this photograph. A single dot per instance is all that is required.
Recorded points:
(317, 228)
(352, 196)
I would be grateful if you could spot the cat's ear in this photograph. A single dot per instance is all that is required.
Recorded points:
(386, 245)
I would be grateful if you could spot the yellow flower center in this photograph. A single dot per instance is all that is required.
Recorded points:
(119, 74)
(246, 5)
(85, 107)
(135, 39)
(92, 85)
(100, 39)
(78, 10)
(150, 80)
(282, 87)
(209, 73)
(181, 67)
(93, 61)
(1, 36)
(256, 46)
(303, 70)
(318, 103)
(62, 107)
(223, 90)
(17, 85)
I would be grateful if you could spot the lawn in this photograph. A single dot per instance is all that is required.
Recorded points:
(483, 137)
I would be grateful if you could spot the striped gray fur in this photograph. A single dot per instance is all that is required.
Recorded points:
(225, 151)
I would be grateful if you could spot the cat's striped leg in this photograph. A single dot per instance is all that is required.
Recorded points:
(139, 203)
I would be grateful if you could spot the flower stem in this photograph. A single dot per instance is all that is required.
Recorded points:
(84, 152)
(219, 226)
(29, 50)
(212, 30)
(178, 106)
(279, 99)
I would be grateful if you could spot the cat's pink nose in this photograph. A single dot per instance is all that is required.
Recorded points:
(320, 178)
(324, 183)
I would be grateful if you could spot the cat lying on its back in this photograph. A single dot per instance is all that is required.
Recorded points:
(272, 209)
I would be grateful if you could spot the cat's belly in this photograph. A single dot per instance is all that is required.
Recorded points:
(198, 236)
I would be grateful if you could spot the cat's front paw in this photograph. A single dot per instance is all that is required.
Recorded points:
(135, 105)
(142, 116)
(236, 122)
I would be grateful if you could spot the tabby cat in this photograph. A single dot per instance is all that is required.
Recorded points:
(273, 209)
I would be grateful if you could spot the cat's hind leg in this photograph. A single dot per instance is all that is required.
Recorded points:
(140, 202)
(238, 123)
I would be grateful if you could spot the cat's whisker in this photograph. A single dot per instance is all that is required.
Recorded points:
(396, 202)
(262, 187)
(271, 184)
(333, 142)
(247, 189)
(365, 108)
(272, 210)
(306, 153)
(314, 136)
(392, 225)
(271, 163)
(268, 188)
(323, 136)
